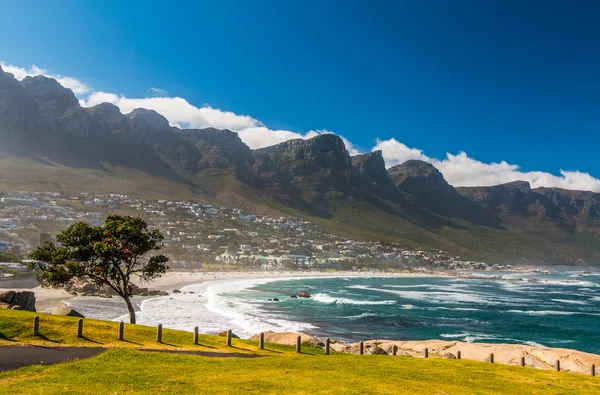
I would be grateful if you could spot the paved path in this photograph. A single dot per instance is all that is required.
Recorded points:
(14, 357)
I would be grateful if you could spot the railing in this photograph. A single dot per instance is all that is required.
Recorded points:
(261, 342)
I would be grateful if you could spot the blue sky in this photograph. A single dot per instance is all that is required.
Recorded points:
(513, 81)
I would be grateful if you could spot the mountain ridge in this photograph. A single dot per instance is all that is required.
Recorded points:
(44, 125)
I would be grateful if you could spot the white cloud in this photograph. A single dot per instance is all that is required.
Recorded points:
(459, 170)
(78, 87)
(462, 170)
(395, 152)
(157, 92)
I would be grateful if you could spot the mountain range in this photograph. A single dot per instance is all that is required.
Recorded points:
(49, 142)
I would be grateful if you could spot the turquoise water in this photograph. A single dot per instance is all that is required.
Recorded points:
(561, 309)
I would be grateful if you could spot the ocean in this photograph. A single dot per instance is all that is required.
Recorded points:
(557, 309)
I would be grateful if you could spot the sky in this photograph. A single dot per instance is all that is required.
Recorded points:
(487, 91)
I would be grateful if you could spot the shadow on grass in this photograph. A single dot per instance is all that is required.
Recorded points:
(3, 337)
(90, 340)
(130, 342)
(204, 345)
(47, 339)
(275, 351)
(169, 344)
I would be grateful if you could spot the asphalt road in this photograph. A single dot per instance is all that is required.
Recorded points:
(14, 357)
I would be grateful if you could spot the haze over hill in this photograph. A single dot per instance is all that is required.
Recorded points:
(50, 142)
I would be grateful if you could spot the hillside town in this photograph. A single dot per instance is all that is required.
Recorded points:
(203, 236)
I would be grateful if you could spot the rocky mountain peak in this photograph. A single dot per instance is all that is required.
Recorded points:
(412, 172)
(144, 120)
(46, 90)
(370, 167)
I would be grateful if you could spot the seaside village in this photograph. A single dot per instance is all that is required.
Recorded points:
(202, 236)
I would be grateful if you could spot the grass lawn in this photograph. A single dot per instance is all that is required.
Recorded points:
(280, 370)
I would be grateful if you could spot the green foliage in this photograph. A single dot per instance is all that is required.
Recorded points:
(9, 257)
(108, 255)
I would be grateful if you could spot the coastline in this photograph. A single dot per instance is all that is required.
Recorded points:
(47, 298)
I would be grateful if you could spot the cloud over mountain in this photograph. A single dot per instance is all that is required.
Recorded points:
(459, 169)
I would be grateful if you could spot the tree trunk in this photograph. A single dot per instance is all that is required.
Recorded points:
(131, 309)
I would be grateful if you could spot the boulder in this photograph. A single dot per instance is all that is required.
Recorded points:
(294, 296)
(287, 338)
(378, 351)
(448, 355)
(275, 300)
(224, 334)
(176, 291)
(63, 309)
(304, 294)
(7, 296)
(24, 299)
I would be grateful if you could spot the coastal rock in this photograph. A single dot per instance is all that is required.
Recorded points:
(304, 294)
(287, 338)
(63, 309)
(24, 299)
(176, 291)
(294, 296)
(275, 300)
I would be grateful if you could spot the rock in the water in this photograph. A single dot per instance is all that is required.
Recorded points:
(224, 334)
(176, 291)
(304, 294)
(63, 309)
(294, 296)
(275, 300)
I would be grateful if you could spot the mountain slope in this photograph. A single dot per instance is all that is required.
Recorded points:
(51, 143)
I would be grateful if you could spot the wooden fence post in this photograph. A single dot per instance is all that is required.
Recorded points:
(522, 361)
(558, 365)
(36, 325)
(261, 341)
(327, 346)
(491, 357)
(593, 371)
(395, 350)
(299, 345)
(121, 330)
(159, 333)
(228, 337)
(196, 335)
(361, 348)
(458, 355)
(80, 328)
(426, 352)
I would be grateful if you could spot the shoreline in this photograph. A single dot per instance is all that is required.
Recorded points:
(50, 297)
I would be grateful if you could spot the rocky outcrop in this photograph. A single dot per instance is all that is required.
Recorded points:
(370, 170)
(63, 309)
(24, 300)
(510, 354)
(303, 294)
(288, 338)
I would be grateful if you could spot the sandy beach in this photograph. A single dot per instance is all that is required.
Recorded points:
(50, 297)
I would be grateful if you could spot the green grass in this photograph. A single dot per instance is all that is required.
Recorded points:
(127, 369)
(16, 328)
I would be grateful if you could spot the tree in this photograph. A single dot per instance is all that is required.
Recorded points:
(107, 255)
